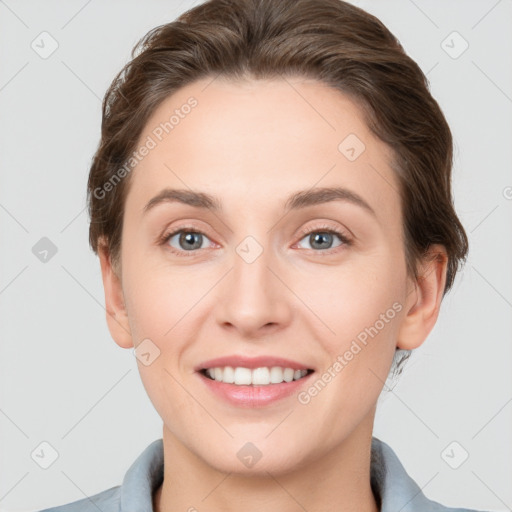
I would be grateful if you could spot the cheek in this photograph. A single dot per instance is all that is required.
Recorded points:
(157, 307)
(363, 309)
(353, 296)
(154, 306)
(154, 294)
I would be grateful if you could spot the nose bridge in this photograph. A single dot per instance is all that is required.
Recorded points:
(254, 297)
(251, 266)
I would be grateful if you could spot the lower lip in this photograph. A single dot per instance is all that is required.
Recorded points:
(254, 396)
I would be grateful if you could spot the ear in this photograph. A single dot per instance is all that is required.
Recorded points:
(117, 318)
(424, 300)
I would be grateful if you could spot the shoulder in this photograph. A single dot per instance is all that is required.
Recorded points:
(396, 488)
(106, 501)
(143, 477)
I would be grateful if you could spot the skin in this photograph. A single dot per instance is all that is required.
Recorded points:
(252, 144)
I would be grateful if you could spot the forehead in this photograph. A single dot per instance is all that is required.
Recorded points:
(248, 139)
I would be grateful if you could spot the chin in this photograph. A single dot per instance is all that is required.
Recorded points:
(276, 466)
(257, 457)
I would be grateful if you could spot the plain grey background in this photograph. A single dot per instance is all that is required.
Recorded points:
(63, 379)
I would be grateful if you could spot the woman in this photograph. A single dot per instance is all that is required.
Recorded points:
(271, 205)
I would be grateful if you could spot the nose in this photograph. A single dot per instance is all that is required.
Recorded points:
(255, 300)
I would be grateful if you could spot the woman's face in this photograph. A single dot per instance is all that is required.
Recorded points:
(275, 266)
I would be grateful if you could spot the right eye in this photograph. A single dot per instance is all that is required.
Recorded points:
(184, 240)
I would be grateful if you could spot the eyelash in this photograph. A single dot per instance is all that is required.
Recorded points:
(164, 239)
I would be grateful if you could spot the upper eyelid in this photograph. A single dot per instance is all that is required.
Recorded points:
(343, 237)
(193, 229)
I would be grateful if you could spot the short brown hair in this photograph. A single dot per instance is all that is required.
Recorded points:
(328, 40)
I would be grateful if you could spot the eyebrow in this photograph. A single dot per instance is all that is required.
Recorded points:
(298, 200)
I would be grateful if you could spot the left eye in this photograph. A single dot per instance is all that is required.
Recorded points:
(323, 239)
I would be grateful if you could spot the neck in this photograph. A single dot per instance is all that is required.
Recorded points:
(336, 481)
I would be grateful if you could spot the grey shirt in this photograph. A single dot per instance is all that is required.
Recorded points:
(389, 480)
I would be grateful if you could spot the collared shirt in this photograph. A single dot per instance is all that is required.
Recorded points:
(389, 480)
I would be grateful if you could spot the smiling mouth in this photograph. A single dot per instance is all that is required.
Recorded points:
(263, 376)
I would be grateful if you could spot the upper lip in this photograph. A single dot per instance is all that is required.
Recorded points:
(251, 362)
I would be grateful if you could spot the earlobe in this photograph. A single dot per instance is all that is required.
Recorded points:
(117, 318)
(424, 301)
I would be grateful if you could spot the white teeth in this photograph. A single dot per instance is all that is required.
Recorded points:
(258, 376)
(276, 375)
(242, 375)
(288, 374)
(228, 375)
